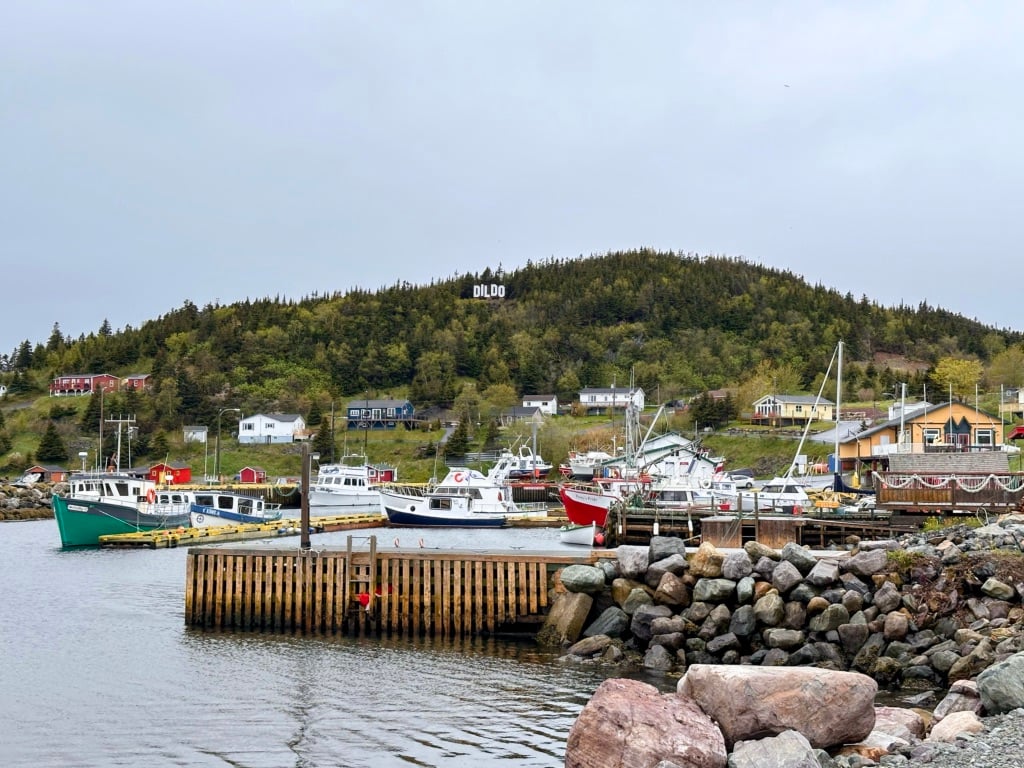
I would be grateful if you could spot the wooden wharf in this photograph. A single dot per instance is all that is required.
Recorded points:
(636, 525)
(373, 592)
(285, 526)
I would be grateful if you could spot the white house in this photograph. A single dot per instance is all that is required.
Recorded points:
(594, 399)
(548, 404)
(271, 428)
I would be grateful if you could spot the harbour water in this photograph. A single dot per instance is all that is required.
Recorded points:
(97, 668)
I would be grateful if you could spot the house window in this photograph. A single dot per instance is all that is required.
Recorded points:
(984, 437)
(248, 427)
(930, 435)
(391, 413)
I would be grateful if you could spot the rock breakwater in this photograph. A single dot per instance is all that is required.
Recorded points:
(936, 615)
(20, 502)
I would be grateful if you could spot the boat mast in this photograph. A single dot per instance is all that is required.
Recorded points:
(129, 420)
(838, 468)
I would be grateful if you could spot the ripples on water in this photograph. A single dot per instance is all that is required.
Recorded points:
(99, 670)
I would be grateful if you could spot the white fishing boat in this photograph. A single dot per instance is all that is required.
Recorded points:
(353, 482)
(465, 498)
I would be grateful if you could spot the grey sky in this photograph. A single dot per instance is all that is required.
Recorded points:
(157, 152)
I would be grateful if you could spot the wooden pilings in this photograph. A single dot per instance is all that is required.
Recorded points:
(369, 592)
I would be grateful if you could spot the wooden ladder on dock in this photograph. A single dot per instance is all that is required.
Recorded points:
(360, 587)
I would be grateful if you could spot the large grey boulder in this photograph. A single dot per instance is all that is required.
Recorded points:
(564, 622)
(1001, 686)
(583, 578)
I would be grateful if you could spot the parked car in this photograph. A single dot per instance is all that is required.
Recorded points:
(744, 478)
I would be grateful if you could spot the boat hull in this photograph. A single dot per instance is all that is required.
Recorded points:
(582, 535)
(209, 517)
(322, 498)
(584, 506)
(81, 522)
(414, 512)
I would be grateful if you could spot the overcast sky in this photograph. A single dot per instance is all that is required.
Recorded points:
(153, 153)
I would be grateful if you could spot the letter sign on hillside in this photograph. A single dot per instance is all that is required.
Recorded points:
(492, 291)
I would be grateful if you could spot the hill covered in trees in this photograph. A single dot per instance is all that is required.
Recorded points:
(676, 324)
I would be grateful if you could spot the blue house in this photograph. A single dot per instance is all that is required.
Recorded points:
(380, 414)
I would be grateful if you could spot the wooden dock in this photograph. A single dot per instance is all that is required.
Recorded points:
(286, 526)
(406, 592)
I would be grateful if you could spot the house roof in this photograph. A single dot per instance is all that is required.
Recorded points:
(539, 397)
(275, 416)
(377, 403)
(624, 391)
(908, 418)
(521, 410)
(797, 399)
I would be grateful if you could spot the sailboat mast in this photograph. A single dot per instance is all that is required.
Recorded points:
(838, 466)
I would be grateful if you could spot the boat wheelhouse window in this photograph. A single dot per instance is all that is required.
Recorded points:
(440, 503)
(245, 506)
(225, 502)
(204, 499)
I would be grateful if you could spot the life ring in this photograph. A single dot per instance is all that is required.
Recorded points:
(200, 518)
(458, 477)
(150, 495)
(705, 483)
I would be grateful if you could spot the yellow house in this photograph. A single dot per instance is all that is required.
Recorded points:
(792, 410)
(943, 428)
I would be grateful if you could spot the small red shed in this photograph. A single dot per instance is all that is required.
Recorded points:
(252, 475)
(381, 473)
(172, 473)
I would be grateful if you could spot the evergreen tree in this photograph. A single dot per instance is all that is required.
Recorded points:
(314, 417)
(51, 446)
(324, 443)
(159, 445)
(458, 441)
(91, 416)
(23, 357)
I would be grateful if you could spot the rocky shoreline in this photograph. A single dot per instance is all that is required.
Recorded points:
(19, 502)
(926, 616)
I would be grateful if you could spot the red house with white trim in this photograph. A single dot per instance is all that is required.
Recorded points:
(136, 382)
(83, 384)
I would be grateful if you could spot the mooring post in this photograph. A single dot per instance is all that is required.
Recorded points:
(304, 505)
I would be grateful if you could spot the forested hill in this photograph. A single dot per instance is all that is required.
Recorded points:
(680, 323)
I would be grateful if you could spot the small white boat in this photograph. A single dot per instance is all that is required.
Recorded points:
(584, 535)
